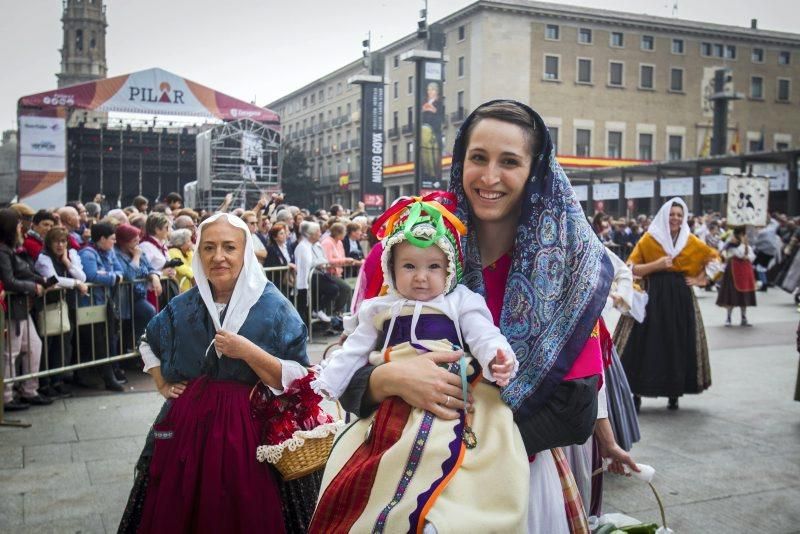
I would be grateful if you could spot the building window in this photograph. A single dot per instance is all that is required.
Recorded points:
(461, 67)
(313, 98)
(330, 92)
(646, 146)
(780, 146)
(614, 148)
(676, 80)
(321, 96)
(757, 87)
(617, 39)
(648, 42)
(554, 137)
(410, 116)
(719, 50)
(730, 52)
(396, 60)
(460, 100)
(784, 57)
(411, 85)
(551, 32)
(754, 145)
(339, 88)
(757, 55)
(394, 154)
(584, 70)
(79, 40)
(551, 67)
(585, 36)
(675, 147)
(409, 151)
(646, 76)
(462, 33)
(395, 120)
(677, 46)
(93, 40)
(583, 143)
(615, 72)
(705, 49)
(784, 89)
(396, 89)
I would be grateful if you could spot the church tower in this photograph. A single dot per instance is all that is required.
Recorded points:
(83, 56)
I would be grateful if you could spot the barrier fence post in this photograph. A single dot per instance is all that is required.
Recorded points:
(6, 359)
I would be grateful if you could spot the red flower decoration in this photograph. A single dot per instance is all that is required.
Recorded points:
(282, 415)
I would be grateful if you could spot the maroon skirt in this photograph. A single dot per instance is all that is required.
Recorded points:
(204, 476)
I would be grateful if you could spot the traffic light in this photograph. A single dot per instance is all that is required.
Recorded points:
(422, 24)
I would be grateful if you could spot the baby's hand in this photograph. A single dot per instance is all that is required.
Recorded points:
(502, 367)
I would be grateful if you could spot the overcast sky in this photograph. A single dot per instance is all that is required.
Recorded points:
(263, 49)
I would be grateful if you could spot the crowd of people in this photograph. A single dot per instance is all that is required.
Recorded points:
(482, 308)
(131, 261)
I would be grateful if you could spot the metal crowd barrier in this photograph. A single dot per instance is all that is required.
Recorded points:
(89, 325)
(313, 294)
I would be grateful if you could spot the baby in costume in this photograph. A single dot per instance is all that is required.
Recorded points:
(424, 308)
(402, 469)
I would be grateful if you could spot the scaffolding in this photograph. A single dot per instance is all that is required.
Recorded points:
(239, 157)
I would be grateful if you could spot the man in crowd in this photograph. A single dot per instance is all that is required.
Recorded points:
(71, 221)
(43, 221)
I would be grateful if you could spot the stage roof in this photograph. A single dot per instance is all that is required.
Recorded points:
(153, 92)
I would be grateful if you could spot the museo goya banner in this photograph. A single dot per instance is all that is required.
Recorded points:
(372, 145)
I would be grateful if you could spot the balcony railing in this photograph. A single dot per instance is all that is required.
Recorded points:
(408, 128)
(394, 132)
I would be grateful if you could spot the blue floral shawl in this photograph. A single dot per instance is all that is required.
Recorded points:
(559, 279)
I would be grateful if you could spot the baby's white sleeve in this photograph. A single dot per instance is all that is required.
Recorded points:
(478, 330)
(335, 374)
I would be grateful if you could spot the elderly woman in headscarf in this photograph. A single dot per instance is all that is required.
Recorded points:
(667, 354)
(205, 351)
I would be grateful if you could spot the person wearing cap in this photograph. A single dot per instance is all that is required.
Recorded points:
(133, 297)
(424, 309)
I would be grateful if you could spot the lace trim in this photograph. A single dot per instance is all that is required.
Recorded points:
(273, 453)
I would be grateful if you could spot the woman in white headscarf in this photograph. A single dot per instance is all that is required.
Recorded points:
(667, 354)
(205, 351)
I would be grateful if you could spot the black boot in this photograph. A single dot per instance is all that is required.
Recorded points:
(111, 382)
(673, 403)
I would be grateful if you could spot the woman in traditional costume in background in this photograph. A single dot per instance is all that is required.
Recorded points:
(738, 286)
(667, 354)
(206, 350)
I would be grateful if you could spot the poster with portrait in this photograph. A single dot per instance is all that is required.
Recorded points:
(431, 114)
(748, 199)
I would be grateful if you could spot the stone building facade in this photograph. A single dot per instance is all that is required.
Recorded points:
(610, 85)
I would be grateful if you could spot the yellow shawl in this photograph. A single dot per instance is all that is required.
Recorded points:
(691, 261)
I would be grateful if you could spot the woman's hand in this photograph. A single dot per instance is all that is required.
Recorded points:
(82, 288)
(172, 391)
(422, 384)
(155, 281)
(233, 345)
(664, 263)
(700, 280)
(619, 458)
(39, 290)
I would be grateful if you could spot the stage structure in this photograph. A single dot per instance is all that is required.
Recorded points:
(239, 157)
(57, 162)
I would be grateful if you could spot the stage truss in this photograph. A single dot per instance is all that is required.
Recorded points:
(239, 157)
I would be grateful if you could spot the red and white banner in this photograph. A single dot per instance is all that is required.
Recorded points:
(153, 92)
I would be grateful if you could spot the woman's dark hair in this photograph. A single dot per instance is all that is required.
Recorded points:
(56, 234)
(9, 219)
(677, 205)
(139, 201)
(509, 112)
(43, 215)
(101, 230)
(739, 231)
(597, 221)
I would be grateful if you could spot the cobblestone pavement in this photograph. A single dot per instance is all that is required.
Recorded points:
(727, 461)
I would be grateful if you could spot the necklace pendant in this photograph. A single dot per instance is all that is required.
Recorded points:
(469, 438)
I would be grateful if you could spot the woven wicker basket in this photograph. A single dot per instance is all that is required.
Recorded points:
(304, 460)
